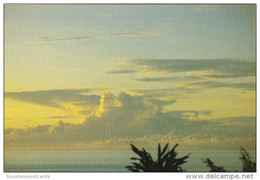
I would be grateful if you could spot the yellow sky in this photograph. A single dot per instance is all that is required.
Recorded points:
(92, 75)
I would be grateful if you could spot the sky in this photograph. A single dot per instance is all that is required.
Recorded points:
(79, 77)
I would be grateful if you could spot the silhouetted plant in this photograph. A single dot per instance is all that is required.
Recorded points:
(166, 161)
(248, 165)
(213, 167)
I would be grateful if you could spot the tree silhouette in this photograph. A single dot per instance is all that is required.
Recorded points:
(248, 165)
(166, 161)
(213, 167)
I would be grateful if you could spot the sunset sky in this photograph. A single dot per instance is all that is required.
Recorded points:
(102, 76)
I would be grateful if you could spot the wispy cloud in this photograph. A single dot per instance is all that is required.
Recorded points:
(224, 67)
(212, 84)
(59, 117)
(195, 74)
(154, 32)
(121, 72)
(164, 79)
(156, 79)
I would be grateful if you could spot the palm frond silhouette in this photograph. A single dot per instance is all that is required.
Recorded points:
(166, 160)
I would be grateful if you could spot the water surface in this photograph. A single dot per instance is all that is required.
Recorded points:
(108, 161)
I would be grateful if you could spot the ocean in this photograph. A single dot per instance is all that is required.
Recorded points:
(109, 161)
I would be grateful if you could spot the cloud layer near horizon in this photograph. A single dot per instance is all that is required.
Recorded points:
(123, 119)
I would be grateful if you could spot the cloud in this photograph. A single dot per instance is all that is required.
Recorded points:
(153, 32)
(127, 118)
(122, 72)
(59, 117)
(162, 102)
(246, 86)
(164, 79)
(55, 98)
(223, 67)
(211, 84)
(156, 79)
(165, 93)
(195, 75)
